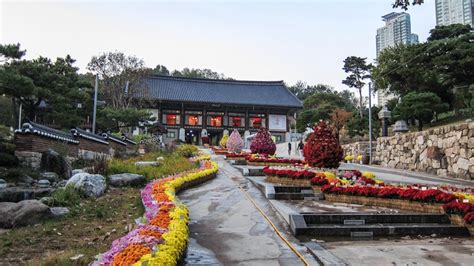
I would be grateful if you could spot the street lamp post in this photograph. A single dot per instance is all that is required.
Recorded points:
(370, 123)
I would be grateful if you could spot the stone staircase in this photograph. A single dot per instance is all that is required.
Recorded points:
(368, 225)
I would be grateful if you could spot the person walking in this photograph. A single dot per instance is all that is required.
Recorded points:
(289, 148)
(301, 147)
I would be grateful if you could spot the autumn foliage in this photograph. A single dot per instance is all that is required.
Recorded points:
(322, 148)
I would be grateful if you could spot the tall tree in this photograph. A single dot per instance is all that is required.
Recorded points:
(358, 70)
(116, 70)
(449, 31)
(43, 82)
(302, 91)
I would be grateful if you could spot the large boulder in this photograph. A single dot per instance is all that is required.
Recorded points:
(50, 176)
(16, 194)
(147, 163)
(126, 179)
(91, 185)
(52, 161)
(27, 212)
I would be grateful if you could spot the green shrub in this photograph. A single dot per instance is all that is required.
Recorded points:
(7, 148)
(187, 150)
(67, 196)
(172, 163)
(8, 160)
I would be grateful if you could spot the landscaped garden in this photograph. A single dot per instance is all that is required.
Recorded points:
(107, 224)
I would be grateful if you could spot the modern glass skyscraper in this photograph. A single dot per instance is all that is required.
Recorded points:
(397, 30)
(454, 11)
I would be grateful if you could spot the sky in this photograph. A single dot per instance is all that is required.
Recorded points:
(248, 40)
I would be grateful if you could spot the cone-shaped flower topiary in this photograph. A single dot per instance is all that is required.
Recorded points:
(235, 142)
(322, 148)
(224, 140)
(263, 143)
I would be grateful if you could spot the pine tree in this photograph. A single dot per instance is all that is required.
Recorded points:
(263, 143)
(235, 142)
(322, 148)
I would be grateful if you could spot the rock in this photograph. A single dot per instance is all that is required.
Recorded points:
(126, 179)
(3, 183)
(16, 194)
(146, 163)
(59, 211)
(161, 158)
(76, 171)
(52, 161)
(27, 212)
(47, 200)
(61, 183)
(43, 183)
(50, 176)
(463, 164)
(92, 185)
(433, 152)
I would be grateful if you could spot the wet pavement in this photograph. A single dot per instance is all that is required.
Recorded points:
(226, 229)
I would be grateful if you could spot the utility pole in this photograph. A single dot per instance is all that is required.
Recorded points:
(95, 103)
(370, 123)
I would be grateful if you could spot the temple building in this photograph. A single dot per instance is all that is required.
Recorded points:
(199, 111)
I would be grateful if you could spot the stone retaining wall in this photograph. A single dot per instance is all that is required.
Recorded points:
(444, 151)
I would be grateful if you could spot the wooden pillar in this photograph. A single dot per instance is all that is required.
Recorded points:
(247, 122)
(183, 116)
(204, 118)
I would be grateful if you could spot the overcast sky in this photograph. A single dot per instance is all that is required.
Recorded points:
(251, 40)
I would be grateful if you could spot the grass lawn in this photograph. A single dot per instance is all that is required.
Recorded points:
(88, 230)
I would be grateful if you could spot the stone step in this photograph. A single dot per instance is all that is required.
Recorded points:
(384, 229)
(374, 218)
(345, 224)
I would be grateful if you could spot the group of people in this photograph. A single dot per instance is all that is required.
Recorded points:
(300, 148)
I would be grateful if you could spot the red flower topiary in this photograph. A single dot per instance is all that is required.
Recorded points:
(263, 143)
(322, 148)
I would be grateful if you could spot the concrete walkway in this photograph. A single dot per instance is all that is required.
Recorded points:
(226, 229)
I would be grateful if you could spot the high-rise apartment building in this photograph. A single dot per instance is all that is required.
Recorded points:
(454, 12)
(397, 30)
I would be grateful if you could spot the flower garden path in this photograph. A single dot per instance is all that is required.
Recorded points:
(225, 228)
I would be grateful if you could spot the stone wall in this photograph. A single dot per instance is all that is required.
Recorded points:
(359, 148)
(445, 151)
(39, 144)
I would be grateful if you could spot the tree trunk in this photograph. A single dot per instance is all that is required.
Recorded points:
(361, 111)
(420, 125)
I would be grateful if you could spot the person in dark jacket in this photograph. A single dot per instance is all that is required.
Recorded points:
(289, 148)
(301, 147)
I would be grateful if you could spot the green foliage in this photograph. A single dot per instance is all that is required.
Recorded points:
(160, 70)
(302, 91)
(449, 31)
(39, 81)
(172, 163)
(188, 150)
(113, 119)
(7, 116)
(198, 73)
(421, 106)
(320, 106)
(11, 51)
(8, 160)
(5, 133)
(438, 66)
(359, 126)
(405, 3)
(358, 71)
(66, 196)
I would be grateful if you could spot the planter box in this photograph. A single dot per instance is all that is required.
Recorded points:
(288, 181)
(267, 164)
(459, 220)
(388, 203)
(235, 158)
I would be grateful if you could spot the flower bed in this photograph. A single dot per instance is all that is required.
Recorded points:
(161, 237)
(236, 156)
(408, 198)
(263, 159)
